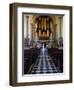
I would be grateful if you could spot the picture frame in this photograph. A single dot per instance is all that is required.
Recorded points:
(17, 13)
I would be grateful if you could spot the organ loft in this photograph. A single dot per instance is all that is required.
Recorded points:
(40, 29)
(43, 29)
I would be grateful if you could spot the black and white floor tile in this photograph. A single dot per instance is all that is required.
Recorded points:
(44, 64)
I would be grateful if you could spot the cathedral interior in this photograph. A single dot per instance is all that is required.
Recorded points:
(43, 44)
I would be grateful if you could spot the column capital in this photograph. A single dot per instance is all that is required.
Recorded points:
(60, 17)
(27, 16)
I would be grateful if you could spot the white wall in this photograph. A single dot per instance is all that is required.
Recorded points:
(4, 46)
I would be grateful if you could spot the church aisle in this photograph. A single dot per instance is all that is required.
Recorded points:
(44, 64)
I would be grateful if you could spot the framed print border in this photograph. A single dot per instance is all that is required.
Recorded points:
(13, 43)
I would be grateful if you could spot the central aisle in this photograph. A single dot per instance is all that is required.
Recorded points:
(44, 63)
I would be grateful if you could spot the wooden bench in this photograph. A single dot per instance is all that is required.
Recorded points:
(57, 57)
(30, 57)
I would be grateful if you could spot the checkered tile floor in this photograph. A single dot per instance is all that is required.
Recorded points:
(44, 64)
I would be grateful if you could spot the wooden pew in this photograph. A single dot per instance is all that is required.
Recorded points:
(30, 56)
(57, 57)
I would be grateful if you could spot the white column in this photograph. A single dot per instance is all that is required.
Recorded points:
(27, 17)
(58, 29)
(60, 22)
(31, 31)
(51, 35)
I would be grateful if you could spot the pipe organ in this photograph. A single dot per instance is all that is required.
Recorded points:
(43, 27)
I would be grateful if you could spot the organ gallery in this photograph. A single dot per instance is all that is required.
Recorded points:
(46, 29)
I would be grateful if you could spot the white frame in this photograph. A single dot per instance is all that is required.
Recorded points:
(33, 78)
